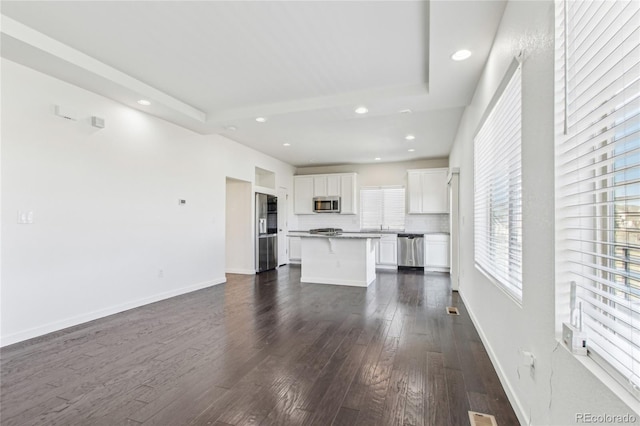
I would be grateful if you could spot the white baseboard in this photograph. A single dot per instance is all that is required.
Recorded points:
(101, 313)
(240, 271)
(351, 283)
(387, 267)
(436, 269)
(522, 415)
(295, 261)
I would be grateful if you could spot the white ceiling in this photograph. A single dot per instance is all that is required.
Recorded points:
(304, 65)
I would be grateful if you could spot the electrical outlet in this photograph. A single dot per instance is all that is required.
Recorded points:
(25, 217)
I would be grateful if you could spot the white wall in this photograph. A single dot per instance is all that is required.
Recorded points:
(105, 204)
(240, 221)
(560, 386)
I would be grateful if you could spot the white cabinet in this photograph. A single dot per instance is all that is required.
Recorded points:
(326, 185)
(428, 191)
(295, 249)
(436, 252)
(303, 195)
(333, 186)
(348, 194)
(387, 252)
(341, 185)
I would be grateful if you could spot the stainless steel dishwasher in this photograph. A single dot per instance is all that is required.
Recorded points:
(411, 250)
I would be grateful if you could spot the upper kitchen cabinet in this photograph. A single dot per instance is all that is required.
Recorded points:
(341, 185)
(326, 186)
(303, 187)
(427, 191)
(348, 194)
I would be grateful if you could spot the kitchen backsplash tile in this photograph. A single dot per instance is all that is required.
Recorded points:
(328, 220)
(427, 223)
(413, 223)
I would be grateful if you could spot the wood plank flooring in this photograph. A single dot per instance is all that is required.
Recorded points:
(263, 350)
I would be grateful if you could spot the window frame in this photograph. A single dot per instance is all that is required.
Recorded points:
(513, 291)
(382, 190)
(604, 184)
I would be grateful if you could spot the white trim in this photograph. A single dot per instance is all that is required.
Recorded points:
(387, 267)
(101, 313)
(334, 281)
(240, 271)
(295, 261)
(504, 289)
(511, 395)
(437, 269)
(605, 377)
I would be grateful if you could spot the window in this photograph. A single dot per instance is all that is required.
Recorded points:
(498, 187)
(598, 176)
(382, 208)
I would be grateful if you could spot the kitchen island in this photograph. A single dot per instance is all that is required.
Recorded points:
(344, 259)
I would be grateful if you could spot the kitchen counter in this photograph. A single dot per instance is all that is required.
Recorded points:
(344, 235)
(376, 232)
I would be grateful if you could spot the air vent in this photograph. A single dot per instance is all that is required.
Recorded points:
(481, 419)
(452, 311)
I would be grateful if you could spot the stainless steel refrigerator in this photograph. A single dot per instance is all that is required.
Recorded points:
(266, 232)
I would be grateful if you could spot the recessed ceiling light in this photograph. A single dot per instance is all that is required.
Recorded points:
(405, 111)
(261, 119)
(362, 110)
(286, 144)
(461, 55)
(144, 102)
(231, 128)
(409, 137)
(411, 150)
(377, 158)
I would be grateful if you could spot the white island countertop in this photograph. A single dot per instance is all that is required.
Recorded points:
(346, 235)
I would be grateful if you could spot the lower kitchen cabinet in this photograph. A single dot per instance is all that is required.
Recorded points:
(295, 250)
(436, 252)
(387, 252)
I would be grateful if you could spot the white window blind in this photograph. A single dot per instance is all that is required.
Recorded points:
(497, 190)
(598, 175)
(382, 208)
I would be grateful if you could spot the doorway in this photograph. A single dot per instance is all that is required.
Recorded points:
(238, 227)
(283, 226)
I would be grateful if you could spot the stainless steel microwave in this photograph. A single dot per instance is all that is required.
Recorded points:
(326, 204)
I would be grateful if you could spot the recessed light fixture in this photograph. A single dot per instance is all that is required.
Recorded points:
(411, 150)
(144, 102)
(461, 55)
(377, 158)
(405, 111)
(261, 119)
(231, 128)
(409, 137)
(362, 110)
(286, 144)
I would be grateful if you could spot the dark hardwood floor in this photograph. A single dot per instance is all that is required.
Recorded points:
(265, 350)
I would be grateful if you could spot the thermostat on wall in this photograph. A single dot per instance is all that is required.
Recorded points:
(182, 202)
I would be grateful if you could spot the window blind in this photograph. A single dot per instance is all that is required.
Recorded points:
(598, 175)
(497, 190)
(382, 208)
